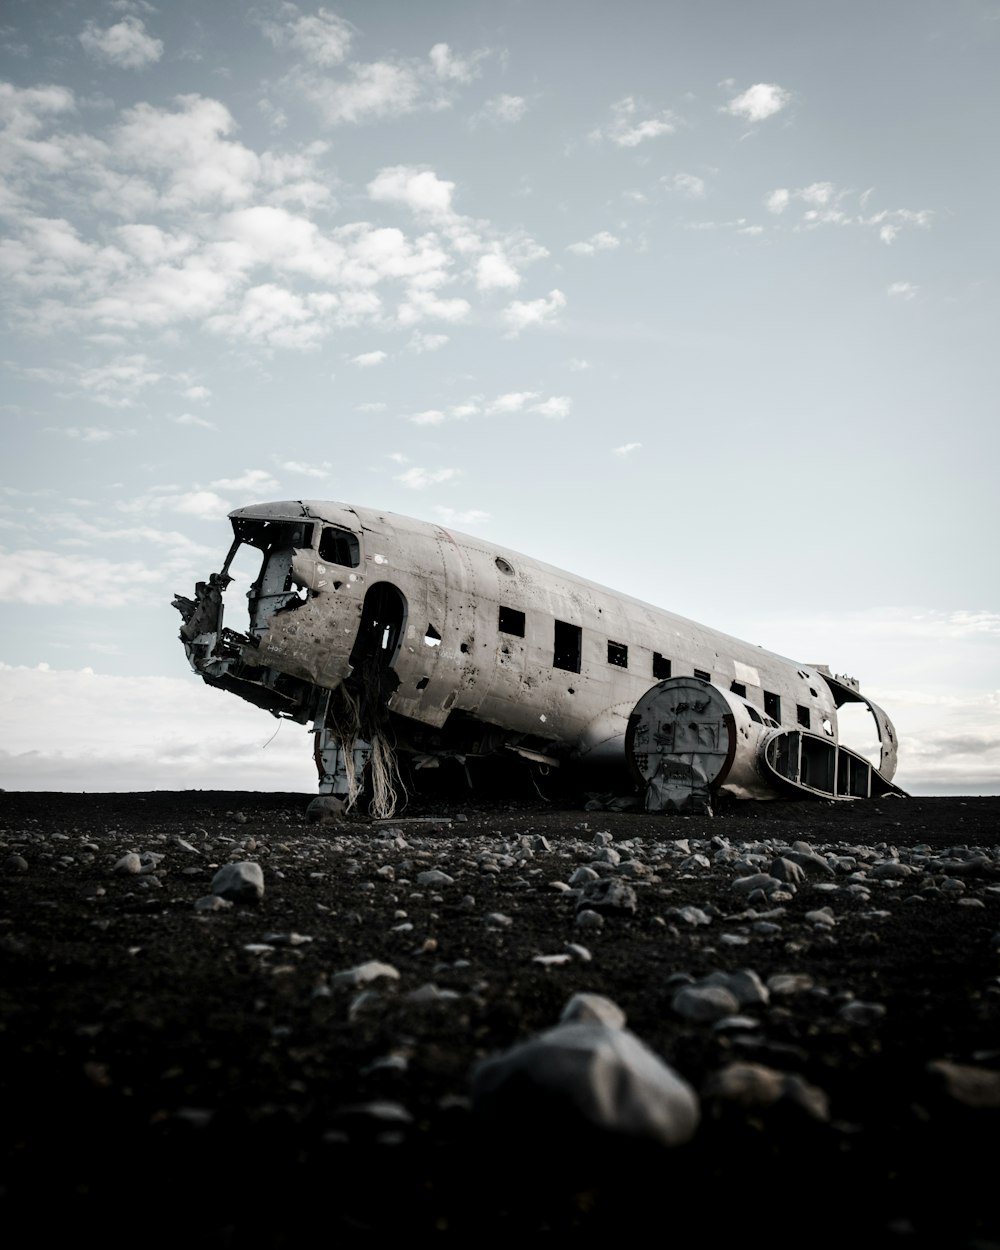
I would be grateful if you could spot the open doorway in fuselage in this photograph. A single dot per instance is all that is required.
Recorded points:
(383, 621)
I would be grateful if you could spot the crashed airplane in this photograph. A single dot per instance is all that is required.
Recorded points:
(405, 645)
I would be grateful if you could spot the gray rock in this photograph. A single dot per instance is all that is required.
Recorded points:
(745, 986)
(588, 1072)
(691, 915)
(757, 881)
(434, 876)
(890, 870)
(325, 808)
(364, 974)
(786, 869)
(704, 1004)
(609, 895)
(242, 882)
(593, 1009)
(129, 864)
(212, 902)
(857, 1012)
(579, 953)
(803, 855)
(754, 1087)
(963, 1083)
(785, 984)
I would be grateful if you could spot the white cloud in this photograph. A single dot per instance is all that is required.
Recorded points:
(759, 102)
(51, 579)
(891, 221)
(378, 89)
(189, 146)
(306, 470)
(109, 742)
(421, 304)
(600, 242)
(501, 110)
(203, 505)
(495, 272)
(262, 272)
(556, 407)
(524, 313)
(126, 44)
(418, 479)
(367, 359)
(689, 185)
(451, 68)
(119, 383)
(578, 365)
(422, 341)
(512, 401)
(387, 88)
(825, 204)
(421, 190)
(197, 393)
(626, 449)
(322, 37)
(778, 200)
(450, 516)
(250, 480)
(627, 129)
(95, 433)
(817, 193)
(189, 418)
(273, 316)
(432, 416)
(902, 290)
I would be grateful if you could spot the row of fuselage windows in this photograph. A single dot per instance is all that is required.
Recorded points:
(567, 654)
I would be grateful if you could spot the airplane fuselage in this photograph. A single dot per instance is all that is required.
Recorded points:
(468, 647)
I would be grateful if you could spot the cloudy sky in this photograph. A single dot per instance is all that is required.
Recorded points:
(697, 298)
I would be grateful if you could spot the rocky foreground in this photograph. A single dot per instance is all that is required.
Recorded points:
(222, 1025)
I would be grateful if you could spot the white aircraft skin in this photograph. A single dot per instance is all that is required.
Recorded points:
(473, 648)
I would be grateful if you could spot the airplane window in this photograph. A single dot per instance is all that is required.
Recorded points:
(738, 688)
(432, 638)
(511, 622)
(618, 654)
(568, 645)
(772, 705)
(661, 667)
(700, 672)
(339, 546)
(802, 713)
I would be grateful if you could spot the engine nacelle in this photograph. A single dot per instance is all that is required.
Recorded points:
(688, 739)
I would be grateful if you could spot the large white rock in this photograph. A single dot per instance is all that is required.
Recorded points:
(587, 1071)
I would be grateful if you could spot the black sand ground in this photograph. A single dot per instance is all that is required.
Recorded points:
(162, 1084)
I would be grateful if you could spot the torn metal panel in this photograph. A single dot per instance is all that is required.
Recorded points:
(417, 642)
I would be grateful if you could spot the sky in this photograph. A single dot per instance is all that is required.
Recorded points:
(695, 298)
